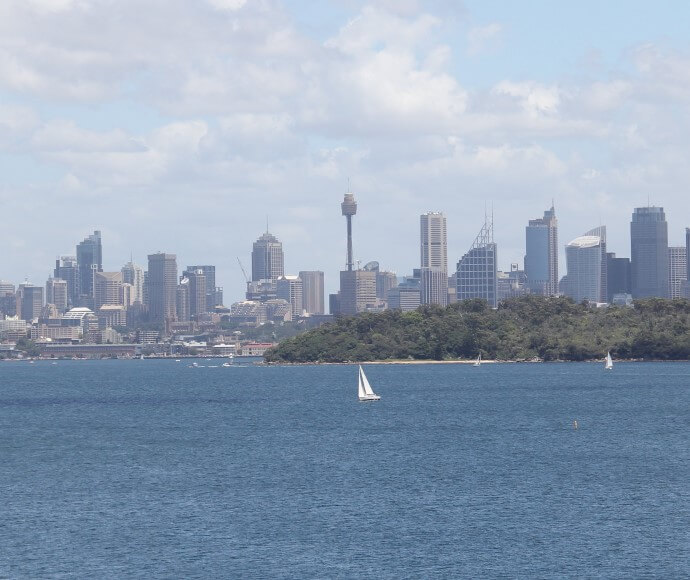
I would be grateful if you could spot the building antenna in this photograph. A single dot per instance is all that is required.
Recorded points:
(266, 223)
(348, 185)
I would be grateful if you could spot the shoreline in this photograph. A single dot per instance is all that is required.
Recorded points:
(470, 362)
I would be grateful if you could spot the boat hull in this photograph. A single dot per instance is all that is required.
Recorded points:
(368, 398)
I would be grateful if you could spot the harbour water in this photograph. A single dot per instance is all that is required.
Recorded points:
(155, 469)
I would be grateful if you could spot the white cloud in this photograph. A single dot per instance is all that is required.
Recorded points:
(235, 113)
(483, 38)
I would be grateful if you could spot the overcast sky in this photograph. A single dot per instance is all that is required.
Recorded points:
(179, 126)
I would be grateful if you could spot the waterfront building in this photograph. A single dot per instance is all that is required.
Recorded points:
(586, 264)
(312, 291)
(289, 288)
(107, 289)
(67, 269)
(162, 287)
(649, 252)
(29, 301)
(677, 270)
(89, 261)
(618, 278)
(541, 257)
(434, 258)
(267, 258)
(134, 275)
(57, 294)
(477, 273)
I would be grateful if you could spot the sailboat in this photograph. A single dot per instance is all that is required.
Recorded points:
(609, 362)
(478, 362)
(365, 391)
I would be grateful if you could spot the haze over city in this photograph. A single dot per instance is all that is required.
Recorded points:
(180, 127)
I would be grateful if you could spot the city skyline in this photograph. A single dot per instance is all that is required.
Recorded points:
(467, 106)
(331, 286)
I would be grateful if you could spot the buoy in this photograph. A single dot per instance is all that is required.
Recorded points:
(575, 424)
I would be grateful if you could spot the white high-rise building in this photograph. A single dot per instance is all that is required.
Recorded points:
(677, 270)
(434, 258)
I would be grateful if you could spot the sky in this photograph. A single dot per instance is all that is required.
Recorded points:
(183, 126)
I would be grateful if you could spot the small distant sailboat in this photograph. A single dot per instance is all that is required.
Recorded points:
(609, 362)
(478, 362)
(366, 393)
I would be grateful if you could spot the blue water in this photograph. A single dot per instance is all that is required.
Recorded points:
(154, 469)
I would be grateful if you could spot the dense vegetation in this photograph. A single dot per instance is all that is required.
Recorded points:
(520, 329)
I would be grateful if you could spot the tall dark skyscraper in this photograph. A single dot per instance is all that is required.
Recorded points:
(267, 258)
(617, 276)
(541, 257)
(162, 287)
(89, 261)
(649, 252)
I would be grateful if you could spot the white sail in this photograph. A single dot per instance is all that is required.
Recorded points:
(360, 390)
(478, 362)
(609, 361)
(365, 392)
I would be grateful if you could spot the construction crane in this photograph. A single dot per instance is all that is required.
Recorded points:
(246, 278)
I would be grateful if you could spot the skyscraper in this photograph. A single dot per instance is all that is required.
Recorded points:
(687, 248)
(29, 301)
(541, 258)
(56, 293)
(677, 270)
(134, 275)
(477, 272)
(267, 258)
(89, 261)
(617, 276)
(107, 289)
(649, 252)
(66, 269)
(162, 287)
(289, 288)
(357, 287)
(434, 259)
(312, 291)
(214, 295)
(586, 263)
(197, 291)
